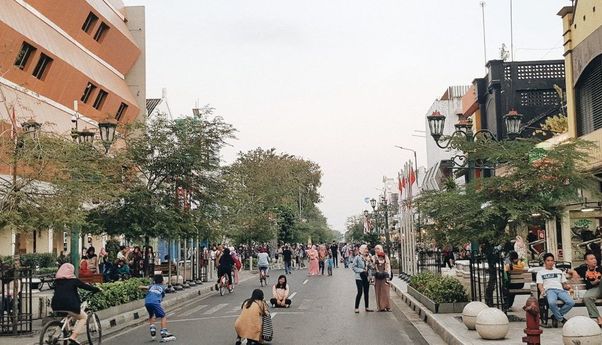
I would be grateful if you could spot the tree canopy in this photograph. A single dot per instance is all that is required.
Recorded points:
(529, 181)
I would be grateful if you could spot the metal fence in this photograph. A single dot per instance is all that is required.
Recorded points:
(16, 308)
(486, 279)
(429, 261)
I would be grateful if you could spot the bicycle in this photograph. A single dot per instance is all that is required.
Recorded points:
(58, 332)
(223, 285)
(263, 276)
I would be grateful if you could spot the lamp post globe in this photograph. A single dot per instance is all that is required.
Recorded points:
(436, 123)
(32, 128)
(512, 120)
(107, 132)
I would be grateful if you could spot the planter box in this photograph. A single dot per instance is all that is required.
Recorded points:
(437, 308)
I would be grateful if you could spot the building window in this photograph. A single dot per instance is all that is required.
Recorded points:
(88, 92)
(100, 99)
(89, 23)
(101, 32)
(121, 111)
(24, 55)
(589, 98)
(42, 67)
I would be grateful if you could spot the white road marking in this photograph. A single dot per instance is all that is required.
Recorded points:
(216, 308)
(305, 282)
(193, 310)
(204, 318)
(292, 295)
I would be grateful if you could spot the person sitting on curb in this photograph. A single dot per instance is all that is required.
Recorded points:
(280, 293)
(552, 285)
(591, 273)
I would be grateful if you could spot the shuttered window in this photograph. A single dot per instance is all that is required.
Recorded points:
(589, 98)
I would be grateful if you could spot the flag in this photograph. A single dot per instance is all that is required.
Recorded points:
(412, 177)
(400, 183)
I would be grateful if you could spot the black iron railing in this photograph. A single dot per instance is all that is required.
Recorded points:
(429, 261)
(16, 308)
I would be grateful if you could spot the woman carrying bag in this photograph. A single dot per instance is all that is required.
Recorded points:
(362, 263)
(381, 275)
(254, 322)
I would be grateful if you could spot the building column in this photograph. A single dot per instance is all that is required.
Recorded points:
(551, 240)
(567, 245)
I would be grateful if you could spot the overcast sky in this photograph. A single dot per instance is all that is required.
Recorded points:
(339, 82)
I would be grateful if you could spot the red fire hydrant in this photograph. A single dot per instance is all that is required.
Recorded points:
(532, 331)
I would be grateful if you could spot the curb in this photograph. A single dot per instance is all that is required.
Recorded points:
(427, 316)
(132, 317)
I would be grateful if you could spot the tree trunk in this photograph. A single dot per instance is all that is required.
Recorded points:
(492, 274)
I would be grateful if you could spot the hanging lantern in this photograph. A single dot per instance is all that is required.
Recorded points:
(107, 132)
(436, 124)
(513, 122)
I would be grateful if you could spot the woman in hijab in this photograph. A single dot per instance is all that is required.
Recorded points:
(249, 323)
(67, 299)
(382, 275)
(313, 261)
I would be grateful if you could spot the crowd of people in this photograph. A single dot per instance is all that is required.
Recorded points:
(125, 263)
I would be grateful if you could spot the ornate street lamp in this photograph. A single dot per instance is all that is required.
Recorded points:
(32, 128)
(436, 124)
(373, 203)
(85, 136)
(366, 213)
(513, 121)
(107, 132)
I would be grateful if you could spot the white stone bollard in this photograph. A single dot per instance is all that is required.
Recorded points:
(492, 324)
(581, 330)
(470, 312)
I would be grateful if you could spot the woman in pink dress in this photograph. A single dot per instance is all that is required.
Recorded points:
(313, 261)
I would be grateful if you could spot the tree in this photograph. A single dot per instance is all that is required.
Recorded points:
(175, 178)
(56, 181)
(529, 181)
(267, 192)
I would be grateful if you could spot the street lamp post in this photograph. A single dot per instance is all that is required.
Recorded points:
(107, 135)
(436, 122)
(386, 210)
(373, 205)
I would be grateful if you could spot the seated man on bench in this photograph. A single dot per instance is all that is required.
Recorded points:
(552, 285)
(591, 273)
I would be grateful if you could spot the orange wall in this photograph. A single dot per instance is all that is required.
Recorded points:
(70, 15)
(63, 83)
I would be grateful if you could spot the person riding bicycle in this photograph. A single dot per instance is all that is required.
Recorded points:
(226, 262)
(67, 299)
(263, 261)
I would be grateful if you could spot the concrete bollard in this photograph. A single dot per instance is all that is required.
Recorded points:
(470, 312)
(492, 324)
(581, 330)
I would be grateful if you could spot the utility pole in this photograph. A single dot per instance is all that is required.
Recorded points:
(511, 32)
(484, 32)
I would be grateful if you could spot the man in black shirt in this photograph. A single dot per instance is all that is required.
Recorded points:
(287, 255)
(591, 273)
(334, 249)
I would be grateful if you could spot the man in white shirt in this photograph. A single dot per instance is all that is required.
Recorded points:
(552, 285)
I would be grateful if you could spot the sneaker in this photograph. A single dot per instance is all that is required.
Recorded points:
(166, 336)
(153, 331)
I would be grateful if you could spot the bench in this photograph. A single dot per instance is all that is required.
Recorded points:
(164, 268)
(519, 283)
(92, 279)
(48, 280)
(543, 302)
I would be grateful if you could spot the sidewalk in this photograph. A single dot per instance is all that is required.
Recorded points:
(451, 329)
(119, 317)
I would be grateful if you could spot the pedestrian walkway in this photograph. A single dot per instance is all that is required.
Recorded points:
(172, 300)
(451, 329)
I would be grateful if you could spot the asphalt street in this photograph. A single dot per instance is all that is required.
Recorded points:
(321, 313)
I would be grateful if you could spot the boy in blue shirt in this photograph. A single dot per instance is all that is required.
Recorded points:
(152, 302)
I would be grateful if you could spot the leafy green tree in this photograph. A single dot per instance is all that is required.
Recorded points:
(265, 192)
(528, 181)
(56, 181)
(175, 179)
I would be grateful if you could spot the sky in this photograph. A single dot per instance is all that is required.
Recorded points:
(338, 82)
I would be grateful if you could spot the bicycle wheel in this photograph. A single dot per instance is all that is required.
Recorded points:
(93, 329)
(52, 334)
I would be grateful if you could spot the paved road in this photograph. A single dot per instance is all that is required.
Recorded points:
(321, 313)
